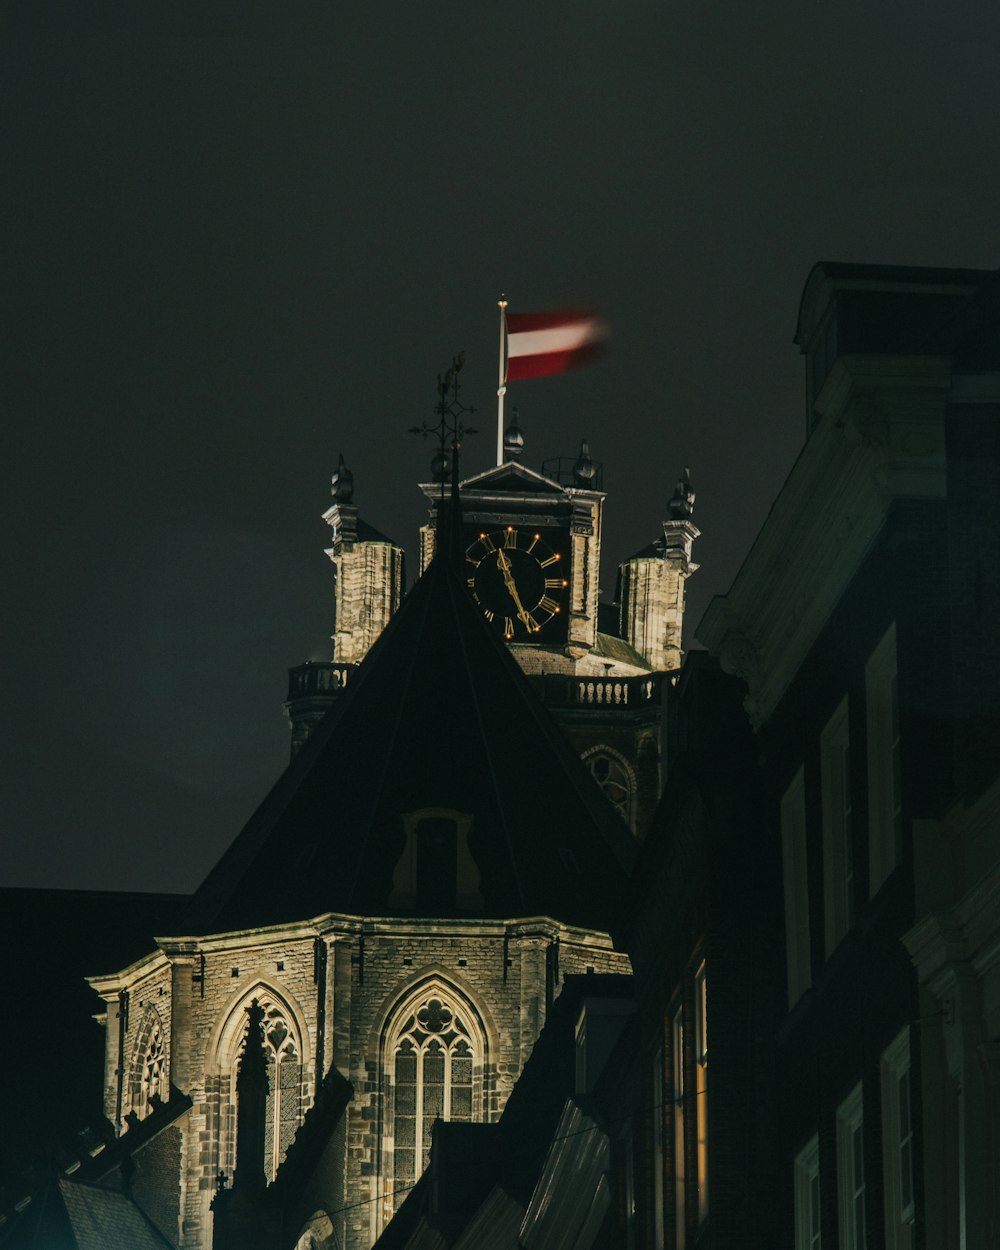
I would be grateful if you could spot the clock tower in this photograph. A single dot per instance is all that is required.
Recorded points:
(532, 546)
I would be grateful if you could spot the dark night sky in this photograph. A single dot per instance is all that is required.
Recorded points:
(240, 241)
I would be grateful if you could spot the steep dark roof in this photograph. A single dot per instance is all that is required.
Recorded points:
(438, 716)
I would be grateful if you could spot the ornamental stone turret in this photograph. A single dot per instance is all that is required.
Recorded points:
(369, 580)
(369, 574)
(651, 597)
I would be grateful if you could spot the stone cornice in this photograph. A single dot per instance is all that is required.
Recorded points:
(335, 925)
(966, 936)
(879, 437)
(110, 983)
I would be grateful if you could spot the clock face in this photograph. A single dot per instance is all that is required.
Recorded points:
(519, 582)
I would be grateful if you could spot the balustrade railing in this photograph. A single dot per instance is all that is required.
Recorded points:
(559, 690)
(318, 677)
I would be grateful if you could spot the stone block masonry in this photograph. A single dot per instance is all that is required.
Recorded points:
(384, 980)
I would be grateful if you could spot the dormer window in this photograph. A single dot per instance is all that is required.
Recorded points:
(436, 873)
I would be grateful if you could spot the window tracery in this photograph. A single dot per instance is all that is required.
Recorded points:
(434, 1056)
(149, 1072)
(612, 776)
(283, 1052)
(284, 1074)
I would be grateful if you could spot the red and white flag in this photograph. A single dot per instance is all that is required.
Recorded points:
(541, 343)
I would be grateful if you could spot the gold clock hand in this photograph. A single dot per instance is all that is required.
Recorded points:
(511, 585)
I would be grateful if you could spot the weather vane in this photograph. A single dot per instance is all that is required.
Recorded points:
(449, 429)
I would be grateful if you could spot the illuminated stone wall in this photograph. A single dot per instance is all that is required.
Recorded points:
(340, 1005)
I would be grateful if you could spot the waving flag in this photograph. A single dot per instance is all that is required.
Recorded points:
(541, 343)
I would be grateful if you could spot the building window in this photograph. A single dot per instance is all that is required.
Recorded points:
(436, 872)
(628, 1188)
(613, 776)
(284, 1079)
(659, 1112)
(851, 1172)
(885, 789)
(679, 1092)
(798, 951)
(437, 864)
(701, 1086)
(281, 1039)
(838, 844)
(897, 1143)
(434, 1064)
(149, 1079)
(807, 1195)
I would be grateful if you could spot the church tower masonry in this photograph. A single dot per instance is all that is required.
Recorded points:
(652, 585)
(369, 574)
(369, 580)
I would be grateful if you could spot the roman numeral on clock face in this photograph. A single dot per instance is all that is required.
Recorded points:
(551, 583)
(510, 537)
(551, 560)
(548, 604)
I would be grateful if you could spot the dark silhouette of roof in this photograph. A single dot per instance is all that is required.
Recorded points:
(55, 939)
(439, 716)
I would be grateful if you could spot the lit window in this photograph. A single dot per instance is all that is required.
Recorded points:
(796, 878)
(679, 1087)
(807, 1195)
(838, 833)
(701, 1086)
(885, 790)
(897, 1143)
(659, 1112)
(851, 1172)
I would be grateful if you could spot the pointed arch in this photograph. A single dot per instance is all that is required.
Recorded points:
(434, 1050)
(148, 1070)
(615, 777)
(287, 1048)
(427, 975)
(226, 1037)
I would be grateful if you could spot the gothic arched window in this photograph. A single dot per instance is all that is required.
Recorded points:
(613, 776)
(434, 1059)
(281, 1043)
(149, 1072)
(284, 1075)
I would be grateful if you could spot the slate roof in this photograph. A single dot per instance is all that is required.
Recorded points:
(101, 1217)
(618, 649)
(69, 1215)
(438, 716)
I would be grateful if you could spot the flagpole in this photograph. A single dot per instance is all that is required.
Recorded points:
(501, 382)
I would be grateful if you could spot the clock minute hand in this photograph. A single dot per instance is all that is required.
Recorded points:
(511, 585)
